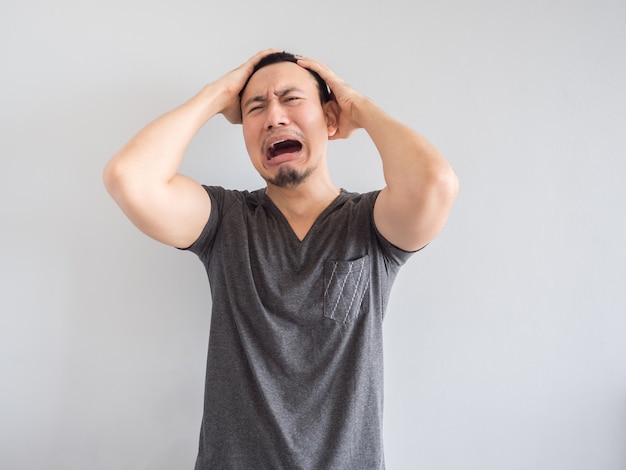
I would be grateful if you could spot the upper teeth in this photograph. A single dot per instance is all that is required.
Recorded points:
(277, 142)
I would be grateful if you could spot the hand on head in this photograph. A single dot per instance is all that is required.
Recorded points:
(344, 95)
(235, 80)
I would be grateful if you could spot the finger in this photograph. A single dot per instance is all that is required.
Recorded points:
(242, 73)
(259, 55)
(256, 58)
(331, 79)
(314, 65)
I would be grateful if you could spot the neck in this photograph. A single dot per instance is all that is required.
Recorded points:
(301, 205)
(305, 201)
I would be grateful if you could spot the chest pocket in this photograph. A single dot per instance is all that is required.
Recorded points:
(345, 285)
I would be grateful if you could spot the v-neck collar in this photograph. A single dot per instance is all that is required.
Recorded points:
(269, 203)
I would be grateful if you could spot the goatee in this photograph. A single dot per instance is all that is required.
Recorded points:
(288, 177)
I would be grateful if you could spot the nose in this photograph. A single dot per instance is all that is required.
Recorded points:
(275, 115)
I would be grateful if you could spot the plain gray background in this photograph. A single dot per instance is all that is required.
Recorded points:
(505, 339)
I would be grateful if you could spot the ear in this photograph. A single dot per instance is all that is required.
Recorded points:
(331, 111)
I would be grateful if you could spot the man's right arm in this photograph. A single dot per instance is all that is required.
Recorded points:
(143, 176)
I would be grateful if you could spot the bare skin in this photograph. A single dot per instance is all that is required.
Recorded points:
(143, 176)
(285, 105)
(420, 184)
(281, 102)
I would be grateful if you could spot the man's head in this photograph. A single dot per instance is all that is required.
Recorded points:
(279, 57)
(288, 115)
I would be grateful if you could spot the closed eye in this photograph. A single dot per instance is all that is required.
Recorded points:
(254, 108)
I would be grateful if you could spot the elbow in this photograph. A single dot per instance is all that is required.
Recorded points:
(107, 176)
(112, 176)
(445, 189)
(436, 185)
(119, 180)
(449, 183)
(441, 184)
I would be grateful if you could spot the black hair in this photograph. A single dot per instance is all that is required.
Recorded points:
(278, 57)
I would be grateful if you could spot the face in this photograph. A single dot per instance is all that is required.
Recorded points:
(285, 126)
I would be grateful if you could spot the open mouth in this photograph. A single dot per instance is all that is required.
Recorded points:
(282, 147)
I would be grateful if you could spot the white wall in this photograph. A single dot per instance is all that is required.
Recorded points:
(505, 337)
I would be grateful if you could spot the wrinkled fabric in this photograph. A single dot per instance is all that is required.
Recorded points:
(295, 362)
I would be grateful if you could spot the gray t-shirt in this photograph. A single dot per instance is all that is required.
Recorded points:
(295, 363)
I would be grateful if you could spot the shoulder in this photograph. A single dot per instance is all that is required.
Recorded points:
(224, 198)
(354, 201)
(360, 206)
(227, 209)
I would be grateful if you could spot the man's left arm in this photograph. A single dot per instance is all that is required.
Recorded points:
(421, 186)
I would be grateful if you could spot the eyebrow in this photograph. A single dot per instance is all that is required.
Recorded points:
(279, 93)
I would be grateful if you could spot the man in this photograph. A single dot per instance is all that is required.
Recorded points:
(300, 271)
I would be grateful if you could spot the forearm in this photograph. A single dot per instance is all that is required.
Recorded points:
(154, 155)
(143, 176)
(410, 163)
(420, 184)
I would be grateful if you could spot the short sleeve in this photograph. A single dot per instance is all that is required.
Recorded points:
(202, 245)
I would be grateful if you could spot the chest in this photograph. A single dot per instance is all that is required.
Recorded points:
(259, 251)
